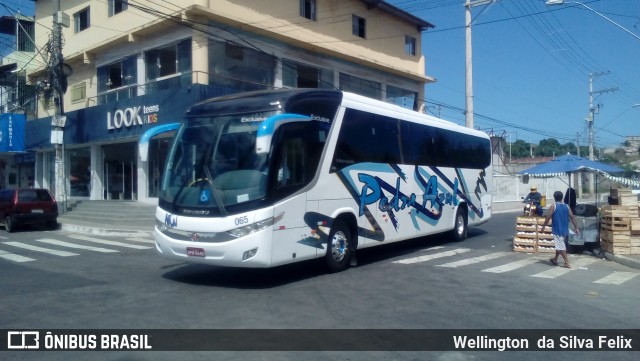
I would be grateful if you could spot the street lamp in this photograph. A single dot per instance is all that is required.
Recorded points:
(561, 2)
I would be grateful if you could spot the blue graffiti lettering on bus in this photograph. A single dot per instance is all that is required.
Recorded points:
(170, 221)
(432, 201)
(481, 182)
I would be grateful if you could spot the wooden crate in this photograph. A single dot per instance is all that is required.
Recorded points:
(523, 220)
(615, 248)
(521, 247)
(618, 192)
(613, 211)
(546, 243)
(620, 237)
(630, 200)
(634, 225)
(615, 223)
(546, 249)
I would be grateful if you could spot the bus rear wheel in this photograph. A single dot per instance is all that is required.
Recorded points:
(338, 251)
(459, 232)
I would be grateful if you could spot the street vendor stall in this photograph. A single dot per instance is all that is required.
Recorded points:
(591, 225)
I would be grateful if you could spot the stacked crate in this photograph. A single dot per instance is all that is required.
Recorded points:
(530, 239)
(620, 224)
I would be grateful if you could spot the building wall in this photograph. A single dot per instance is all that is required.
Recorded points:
(380, 55)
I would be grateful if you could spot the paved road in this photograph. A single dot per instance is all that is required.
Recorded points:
(56, 279)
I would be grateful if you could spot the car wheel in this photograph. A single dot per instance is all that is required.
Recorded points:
(338, 253)
(459, 232)
(8, 224)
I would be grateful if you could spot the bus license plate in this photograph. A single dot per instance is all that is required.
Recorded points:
(195, 252)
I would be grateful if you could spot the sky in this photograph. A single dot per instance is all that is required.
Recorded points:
(531, 66)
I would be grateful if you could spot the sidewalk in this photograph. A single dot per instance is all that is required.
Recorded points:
(632, 261)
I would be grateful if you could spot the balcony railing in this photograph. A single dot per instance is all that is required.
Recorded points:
(218, 85)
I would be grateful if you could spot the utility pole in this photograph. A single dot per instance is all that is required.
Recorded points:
(59, 84)
(468, 110)
(577, 182)
(591, 118)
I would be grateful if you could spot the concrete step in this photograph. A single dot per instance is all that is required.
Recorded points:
(109, 215)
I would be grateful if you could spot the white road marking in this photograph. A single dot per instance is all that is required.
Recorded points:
(557, 271)
(78, 246)
(138, 239)
(430, 257)
(41, 249)
(512, 266)
(14, 257)
(468, 261)
(616, 278)
(107, 242)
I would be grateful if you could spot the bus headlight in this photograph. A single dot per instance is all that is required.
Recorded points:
(251, 228)
(161, 226)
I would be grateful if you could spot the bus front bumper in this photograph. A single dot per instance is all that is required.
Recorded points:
(251, 251)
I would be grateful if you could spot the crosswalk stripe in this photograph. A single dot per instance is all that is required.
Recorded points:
(14, 257)
(512, 266)
(107, 242)
(616, 278)
(138, 239)
(468, 261)
(559, 271)
(432, 256)
(73, 245)
(3, 237)
(432, 248)
(41, 249)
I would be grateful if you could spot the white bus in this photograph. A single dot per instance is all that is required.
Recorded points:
(267, 178)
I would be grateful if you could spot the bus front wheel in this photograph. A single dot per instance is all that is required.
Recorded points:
(459, 232)
(338, 251)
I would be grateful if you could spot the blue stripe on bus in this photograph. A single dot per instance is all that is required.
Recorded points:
(268, 126)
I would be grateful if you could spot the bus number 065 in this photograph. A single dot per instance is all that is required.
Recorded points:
(242, 220)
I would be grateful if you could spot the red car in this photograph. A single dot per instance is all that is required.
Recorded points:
(28, 206)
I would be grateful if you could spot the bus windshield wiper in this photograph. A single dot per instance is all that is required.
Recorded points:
(212, 186)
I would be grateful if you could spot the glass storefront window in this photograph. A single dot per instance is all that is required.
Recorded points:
(80, 172)
(158, 150)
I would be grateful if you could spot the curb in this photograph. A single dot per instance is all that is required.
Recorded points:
(105, 232)
(627, 261)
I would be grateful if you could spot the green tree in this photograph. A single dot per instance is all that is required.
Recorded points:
(519, 149)
(548, 148)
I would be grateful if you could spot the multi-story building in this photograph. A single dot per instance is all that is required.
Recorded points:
(138, 65)
(17, 98)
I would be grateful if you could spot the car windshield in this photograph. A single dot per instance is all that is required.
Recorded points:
(33, 195)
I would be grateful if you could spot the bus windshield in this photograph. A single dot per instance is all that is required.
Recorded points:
(213, 163)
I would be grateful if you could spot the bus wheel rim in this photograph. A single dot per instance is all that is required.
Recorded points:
(338, 246)
(460, 224)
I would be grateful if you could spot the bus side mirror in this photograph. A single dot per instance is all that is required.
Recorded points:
(269, 126)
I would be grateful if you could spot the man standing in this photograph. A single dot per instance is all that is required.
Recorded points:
(559, 214)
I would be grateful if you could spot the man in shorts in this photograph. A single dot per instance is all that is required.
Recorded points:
(559, 214)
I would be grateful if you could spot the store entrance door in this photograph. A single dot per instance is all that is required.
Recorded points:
(120, 171)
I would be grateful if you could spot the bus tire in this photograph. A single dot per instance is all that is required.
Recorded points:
(459, 232)
(338, 254)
